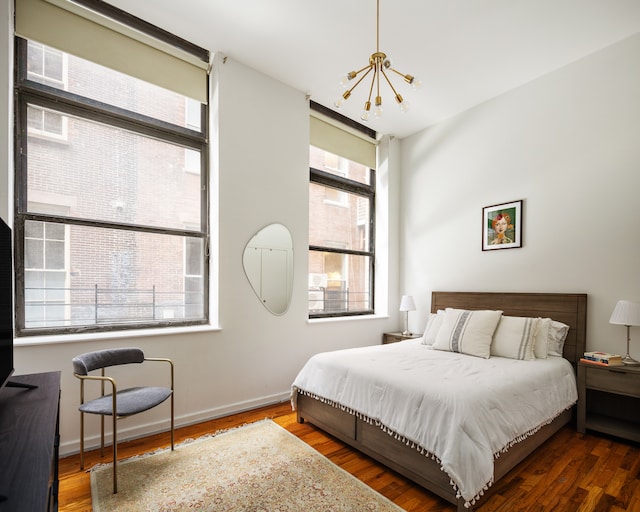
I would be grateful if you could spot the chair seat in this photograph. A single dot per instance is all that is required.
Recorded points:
(130, 401)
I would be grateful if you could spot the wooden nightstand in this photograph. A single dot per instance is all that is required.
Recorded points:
(609, 400)
(394, 337)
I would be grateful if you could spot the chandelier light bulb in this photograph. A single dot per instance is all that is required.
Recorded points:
(377, 112)
(404, 106)
(366, 112)
(344, 82)
(415, 83)
(345, 96)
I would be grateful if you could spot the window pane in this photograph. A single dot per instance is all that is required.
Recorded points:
(35, 118)
(334, 164)
(34, 286)
(192, 161)
(52, 122)
(55, 287)
(53, 64)
(193, 294)
(107, 86)
(114, 175)
(34, 254)
(45, 294)
(54, 255)
(338, 219)
(54, 231)
(34, 229)
(118, 277)
(338, 283)
(193, 257)
(35, 59)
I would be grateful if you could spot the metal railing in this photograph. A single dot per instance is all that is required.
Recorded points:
(57, 307)
(327, 300)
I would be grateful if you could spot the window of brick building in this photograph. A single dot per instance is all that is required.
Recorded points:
(341, 219)
(111, 231)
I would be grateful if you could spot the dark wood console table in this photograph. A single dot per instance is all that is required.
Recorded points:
(29, 441)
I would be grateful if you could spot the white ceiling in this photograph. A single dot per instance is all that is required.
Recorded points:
(464, 51)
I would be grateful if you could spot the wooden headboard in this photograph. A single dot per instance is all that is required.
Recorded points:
(568, 308)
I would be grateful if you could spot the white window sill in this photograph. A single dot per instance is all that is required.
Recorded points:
(332, 319)
(52, 339)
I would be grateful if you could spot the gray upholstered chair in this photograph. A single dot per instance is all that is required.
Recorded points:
(125, 402)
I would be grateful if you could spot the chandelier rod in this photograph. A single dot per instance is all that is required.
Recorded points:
(361, 78)
(378, 26)
(389, 82)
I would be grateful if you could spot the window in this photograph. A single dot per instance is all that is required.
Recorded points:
(46, 123)
(111, 231)
(46, 66)
(45, 273)
(341, 228)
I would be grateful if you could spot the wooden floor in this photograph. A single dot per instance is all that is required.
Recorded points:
(570, 472)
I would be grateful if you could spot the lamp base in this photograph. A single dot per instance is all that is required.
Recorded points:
(630, 361)
(409, 333)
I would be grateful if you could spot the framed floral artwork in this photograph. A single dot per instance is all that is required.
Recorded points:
(502, 226)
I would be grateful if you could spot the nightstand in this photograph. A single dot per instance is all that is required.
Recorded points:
(394, 337)
(609, 400)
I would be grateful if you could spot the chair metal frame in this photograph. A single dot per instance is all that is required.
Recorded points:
(102, 378)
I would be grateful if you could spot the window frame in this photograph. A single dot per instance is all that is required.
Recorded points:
(368, 191)
(29, 92)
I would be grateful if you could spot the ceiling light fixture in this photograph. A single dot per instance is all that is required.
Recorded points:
(378, 63)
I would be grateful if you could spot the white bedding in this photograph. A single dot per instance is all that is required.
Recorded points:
(461, 409)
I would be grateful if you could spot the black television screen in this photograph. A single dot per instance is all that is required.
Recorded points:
(6, 304)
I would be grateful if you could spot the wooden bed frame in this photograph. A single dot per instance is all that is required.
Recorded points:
(570, 309)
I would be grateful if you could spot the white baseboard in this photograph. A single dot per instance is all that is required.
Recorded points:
(141, 430)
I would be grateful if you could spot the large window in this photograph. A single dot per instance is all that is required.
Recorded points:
(341, 227)
(111, 187)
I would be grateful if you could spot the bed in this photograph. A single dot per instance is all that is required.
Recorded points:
(420, 453)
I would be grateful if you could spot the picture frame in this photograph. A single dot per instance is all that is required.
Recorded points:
(502, 226)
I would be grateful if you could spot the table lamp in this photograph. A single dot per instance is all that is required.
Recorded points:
(407, 304)
(626, 313)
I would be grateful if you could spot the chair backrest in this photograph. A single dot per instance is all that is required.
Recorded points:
(85, 363)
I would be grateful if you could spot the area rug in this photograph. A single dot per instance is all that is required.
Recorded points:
(260, 467)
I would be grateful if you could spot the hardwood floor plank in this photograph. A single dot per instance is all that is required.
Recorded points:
(570, 472)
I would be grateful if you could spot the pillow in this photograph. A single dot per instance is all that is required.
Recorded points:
(433, 326)
(514, 337)
(541, 339)
(557, 334)
(467, 332)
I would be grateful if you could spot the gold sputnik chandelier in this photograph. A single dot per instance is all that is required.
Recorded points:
(379, 64)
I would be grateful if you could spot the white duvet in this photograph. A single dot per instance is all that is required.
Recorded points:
(461, 409)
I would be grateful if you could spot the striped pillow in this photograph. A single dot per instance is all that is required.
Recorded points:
(467, 332)
(514, 337)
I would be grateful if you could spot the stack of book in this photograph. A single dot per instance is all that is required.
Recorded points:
(602, 358)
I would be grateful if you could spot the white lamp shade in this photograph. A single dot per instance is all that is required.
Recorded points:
(407, 303)
(626, 313)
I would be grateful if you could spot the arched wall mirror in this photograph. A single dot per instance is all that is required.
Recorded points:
(268, 265)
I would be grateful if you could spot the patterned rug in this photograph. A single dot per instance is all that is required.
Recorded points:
(260, 467)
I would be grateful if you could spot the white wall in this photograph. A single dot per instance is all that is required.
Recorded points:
(262, 159)
(6, 99)
(568, 145)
